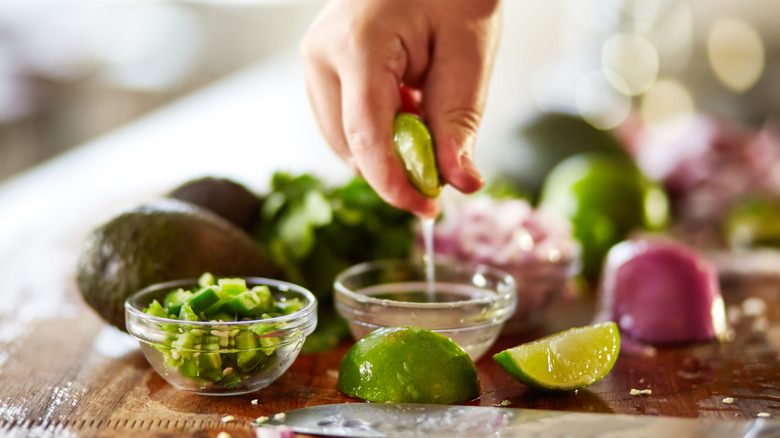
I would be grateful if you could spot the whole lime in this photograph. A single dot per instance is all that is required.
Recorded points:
(605, 197)
(754, 222)
(408, 365)
(545, 139)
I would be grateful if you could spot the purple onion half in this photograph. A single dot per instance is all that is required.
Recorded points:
(662, 292)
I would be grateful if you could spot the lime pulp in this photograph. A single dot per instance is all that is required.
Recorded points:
(415, 147)
(568, 360)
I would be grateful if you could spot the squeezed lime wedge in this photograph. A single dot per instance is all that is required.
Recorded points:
(414, 145)
(568, 360)
(408, 365)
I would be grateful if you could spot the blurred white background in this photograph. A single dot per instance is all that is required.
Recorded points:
(73, 70)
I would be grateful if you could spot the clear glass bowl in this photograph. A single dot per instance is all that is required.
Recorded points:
(469, 303)
(210, 364)
(539, 285)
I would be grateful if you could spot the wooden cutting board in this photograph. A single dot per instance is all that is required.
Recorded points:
(64, 372)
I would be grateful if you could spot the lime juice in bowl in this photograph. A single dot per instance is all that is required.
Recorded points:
(469, 303)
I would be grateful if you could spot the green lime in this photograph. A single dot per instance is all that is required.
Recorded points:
(408, 365)
(414, 145)
(754, 222)
(564, 361)
(544, 140)
(605, 197)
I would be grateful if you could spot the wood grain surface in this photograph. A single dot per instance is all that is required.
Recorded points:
(63, 372)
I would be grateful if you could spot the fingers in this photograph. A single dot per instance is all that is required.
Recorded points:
(455, 94)
(352, 71)
(370, 100)
(356, 56)
(324, 91)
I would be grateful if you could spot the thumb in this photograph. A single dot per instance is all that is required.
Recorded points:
(454, 96)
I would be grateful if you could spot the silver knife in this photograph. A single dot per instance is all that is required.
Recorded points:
(420, 420)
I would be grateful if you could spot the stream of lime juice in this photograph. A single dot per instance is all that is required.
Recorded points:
(430, 274)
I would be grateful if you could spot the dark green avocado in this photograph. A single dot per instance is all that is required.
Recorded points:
(227, 198)
(161, 241)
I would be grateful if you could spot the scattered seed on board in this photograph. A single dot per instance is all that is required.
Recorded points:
(728, 400)
(228, 418)
(635, 392)
(223, 434)
(754, 306)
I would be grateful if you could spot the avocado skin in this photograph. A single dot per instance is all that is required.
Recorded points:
(227, 198)
(163, 240)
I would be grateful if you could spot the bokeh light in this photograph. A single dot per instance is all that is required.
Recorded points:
(633, 59)
(667, 110)
(673, 38)
(736, 54)
(656, 207)
(639, 16)
(599, 102)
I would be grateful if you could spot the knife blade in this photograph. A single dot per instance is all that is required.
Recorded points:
(371, 420)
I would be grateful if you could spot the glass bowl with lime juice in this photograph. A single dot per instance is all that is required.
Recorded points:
(469, 303)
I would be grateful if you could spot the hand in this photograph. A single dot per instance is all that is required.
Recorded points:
(359, 52)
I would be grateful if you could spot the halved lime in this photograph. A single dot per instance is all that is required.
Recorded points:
(564, 361)
(605, 197)
(414, 145)
(408, 365)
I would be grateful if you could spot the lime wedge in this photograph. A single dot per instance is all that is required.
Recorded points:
(414, 145)
(408, 365)
(564, 361)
